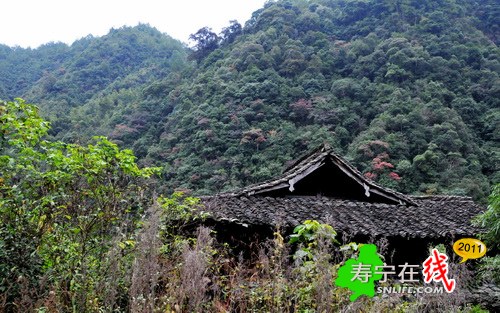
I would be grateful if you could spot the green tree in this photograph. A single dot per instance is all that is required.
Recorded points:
(63, 207)
(229, 34)
(490, 220)
(489, 267)
(205, 41)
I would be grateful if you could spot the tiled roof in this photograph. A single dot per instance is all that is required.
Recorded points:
(325, 187)
(313, 161)
(431, 217)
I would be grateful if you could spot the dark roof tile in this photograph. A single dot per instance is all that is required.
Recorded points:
(431, 217)
(310, 163)
(393, 214)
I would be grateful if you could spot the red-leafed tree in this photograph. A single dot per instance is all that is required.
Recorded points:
(383, 171)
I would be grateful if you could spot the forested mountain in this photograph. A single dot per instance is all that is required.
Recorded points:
(22, 68)
(89, 87)
(403, 87)
(408, 90)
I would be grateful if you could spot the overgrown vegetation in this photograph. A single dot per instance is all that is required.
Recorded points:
(407, 90)
(80, 232)
(65, 209)
(489, 269)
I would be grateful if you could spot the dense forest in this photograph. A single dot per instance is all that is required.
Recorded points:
(96, 213)
(407, 87)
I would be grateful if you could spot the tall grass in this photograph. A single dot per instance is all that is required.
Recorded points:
(192, 272)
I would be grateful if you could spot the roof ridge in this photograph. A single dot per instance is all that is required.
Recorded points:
(441, 197)
(312, 161)
(325, 146)
(368, 181)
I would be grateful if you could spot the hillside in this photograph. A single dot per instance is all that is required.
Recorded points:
(407, 90)
(85, 87)
(410, 88)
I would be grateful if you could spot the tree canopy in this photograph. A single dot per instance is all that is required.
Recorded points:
(413, 84)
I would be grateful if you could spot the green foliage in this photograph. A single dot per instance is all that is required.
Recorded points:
(179, 213)
(63, 207)
(395, 73)
(311, 235)
(489, 270)
(311, 231)
(206, 41)
(490, 220)
(413, 84)
(97, 83)
(475, 309)
(76, 236)
(181, 208)
(419, 76)
(489, 267)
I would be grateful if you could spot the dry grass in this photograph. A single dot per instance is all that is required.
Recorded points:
(199, 274)
(147, 268)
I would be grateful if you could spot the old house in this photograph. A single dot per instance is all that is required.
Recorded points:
(325, 187)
